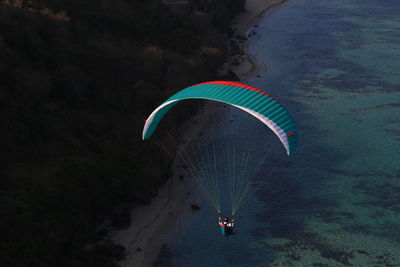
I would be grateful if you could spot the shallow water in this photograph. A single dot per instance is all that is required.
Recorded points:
(335, 65)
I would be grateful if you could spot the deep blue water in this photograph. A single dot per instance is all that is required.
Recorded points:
(335, 65)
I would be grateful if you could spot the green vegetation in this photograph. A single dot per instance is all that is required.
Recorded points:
(73, 96)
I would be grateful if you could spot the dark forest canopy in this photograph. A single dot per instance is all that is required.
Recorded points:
(77, 79)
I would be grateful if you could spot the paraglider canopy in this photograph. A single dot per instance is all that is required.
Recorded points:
(252, 100)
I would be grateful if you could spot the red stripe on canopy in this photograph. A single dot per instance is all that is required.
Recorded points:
(239, 85)
(290, 134)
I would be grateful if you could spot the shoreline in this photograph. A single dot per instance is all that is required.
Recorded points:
(242, 25)
(151, 224)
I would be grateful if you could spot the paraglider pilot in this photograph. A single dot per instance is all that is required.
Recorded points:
(229, 226)
(222, 223)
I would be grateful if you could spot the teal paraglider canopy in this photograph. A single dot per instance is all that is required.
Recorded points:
(241, 170)
(252, 100)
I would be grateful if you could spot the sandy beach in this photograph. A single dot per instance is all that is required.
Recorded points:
(142, 239)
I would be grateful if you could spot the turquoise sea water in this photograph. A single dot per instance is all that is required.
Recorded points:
(335, 65)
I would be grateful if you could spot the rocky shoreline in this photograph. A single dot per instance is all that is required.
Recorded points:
(241, 64)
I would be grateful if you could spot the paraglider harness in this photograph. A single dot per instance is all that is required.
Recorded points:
(226, 225)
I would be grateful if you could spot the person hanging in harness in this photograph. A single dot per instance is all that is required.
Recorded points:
(229, 226)
(223, 224)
